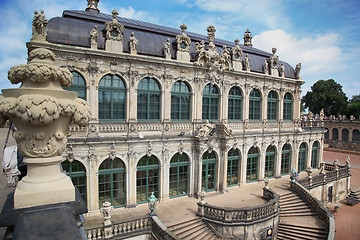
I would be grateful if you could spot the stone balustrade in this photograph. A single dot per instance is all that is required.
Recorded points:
(322, 212)
(241, 216)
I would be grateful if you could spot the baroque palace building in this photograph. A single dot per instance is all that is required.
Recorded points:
(174, 112)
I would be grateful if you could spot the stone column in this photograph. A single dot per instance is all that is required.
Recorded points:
(225, 103)
(278, 161)
(224, 154)
(262, 159)
(308, 154)
(165, 177)
(166, 104)
(295, 156)
(264, 108)
(132, 99)
(42, 112)
(243, 166)
(281, 106)
(246, 103)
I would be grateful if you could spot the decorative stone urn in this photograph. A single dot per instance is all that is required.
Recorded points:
(42, 111)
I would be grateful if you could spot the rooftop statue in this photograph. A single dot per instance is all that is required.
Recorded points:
(266, 67)
(93, 37)
(297, 70)
(39, 26)
(247, 62)
(282, 69)
(274, 59)
(132, 44)
(167, 46)
(114, 30)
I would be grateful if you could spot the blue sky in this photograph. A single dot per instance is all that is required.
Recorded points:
(323, 35)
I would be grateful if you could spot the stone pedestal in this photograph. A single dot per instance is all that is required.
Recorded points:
(237, 66)
(182, 56)
(133, 51)
(113, 46)
(94, 46)
(167, 56)
(274, 72)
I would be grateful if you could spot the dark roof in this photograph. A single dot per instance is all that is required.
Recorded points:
(74, 27)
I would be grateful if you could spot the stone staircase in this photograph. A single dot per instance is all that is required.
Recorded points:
(298, 220)
(355, 193)
(193, 229)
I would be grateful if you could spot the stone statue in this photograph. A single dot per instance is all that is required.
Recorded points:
(322, 168)
(282, 69)
(167, 46)
(297, 70)
(225, 53)
(205, 129)
(310, 116)
(226, 129)
(274, 60)
(200, 46)
(93, 37)
(247, 63)
(322, 114)
(114, 34)
(106, 210)
(39, 26)
(336, 164)
(133, 43)
(266, 67)
(183, 45)
(347, 162)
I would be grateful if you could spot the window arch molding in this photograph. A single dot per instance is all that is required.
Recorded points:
(79, 84)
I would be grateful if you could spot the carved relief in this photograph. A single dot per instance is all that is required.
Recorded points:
(114, 30)
(182, 40)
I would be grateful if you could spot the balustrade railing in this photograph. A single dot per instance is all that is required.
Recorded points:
(239, 216)
(323, 213)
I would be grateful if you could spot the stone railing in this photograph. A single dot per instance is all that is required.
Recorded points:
(312, 123)
(332, 174)
(323, 213)
(140, 226)
(241, 216)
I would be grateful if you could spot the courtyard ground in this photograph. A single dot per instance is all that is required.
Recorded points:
(346, 219)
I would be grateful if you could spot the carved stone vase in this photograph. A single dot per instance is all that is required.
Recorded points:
(42, 111)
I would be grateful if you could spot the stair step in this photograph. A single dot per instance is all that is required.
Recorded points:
(303, 227)
(187, 229)
(300, 236)
(296, 214)
(301, 232)
(202, 234)
(283, 236)
(188, 232)
(289, 198)
(304, 206)
(298, 209)
(182, 223)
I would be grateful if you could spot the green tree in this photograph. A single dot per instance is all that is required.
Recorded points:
(326, 94)
(355, 98)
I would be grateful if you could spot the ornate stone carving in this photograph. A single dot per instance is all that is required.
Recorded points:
(237, 54)
(42, 111)
(167, 52)
(247, 63)
(205, 130)
(181, 147)
(282, 69)
(297, 71)
(132, 44)
(149, 149)
(183, 45)
(93, 37)
(114, 34)
(225, 59)
(274, 63)
(106, 210)
(224, 128)
(112, 153)
(39, 27)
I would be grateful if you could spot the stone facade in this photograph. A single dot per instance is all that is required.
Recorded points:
(131, 139)
(343, 134)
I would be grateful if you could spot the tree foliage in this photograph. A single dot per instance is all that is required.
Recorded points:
(326, 94)
(355, 98)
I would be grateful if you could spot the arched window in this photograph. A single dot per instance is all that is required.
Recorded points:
(326, 134)
(272, 106)
(78, 85)
(210, 102)
(112, 182)
(285, 159)
(315, 154)
(235, 104)
(180, 101)
(345, 135)
(302, 157)
(335, 134)
(356, 136)
(208, 179)
(233, 167)
(288, 107)
(178, 175)
(147, 178)
(252, 165)
(255, 105)
(112, 98)
(148, 100)
(77, 172)
(270, 162)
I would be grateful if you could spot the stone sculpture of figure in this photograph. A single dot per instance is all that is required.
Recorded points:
(133, 42)
(297, 71)
(200, 46)
(336, 164)
(347, 162)
(39, 24)
(225, 53)
(322, 114)
(322, 168)
(247, 62)
(167, 47)
(282, 69)
(266, 67)
(227, 130)
(94, 35)
(274, 59)
(310, 115)
(205, 129)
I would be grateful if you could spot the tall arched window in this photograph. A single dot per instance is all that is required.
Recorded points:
(78, 85)
(255, 105)
(288, 107)
(272, 106)
(210, 102)
(270, 162)
(180, 101)
(335, 134)
(356, 136)
(235, 104)
(112, 182)
(285, 159)
(252, 165)
(302, 157)
(233, 167)
(208, 179)
(77, 172)
(112, 98)
(345, 135)
(178, 179)
(315, 154)
(147, 178)
(326, 134)
(148, 100)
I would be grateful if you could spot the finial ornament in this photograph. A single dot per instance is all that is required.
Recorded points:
(247, 38)
(211, 33)
(183, 28)
(92, 5)
(183, 45)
